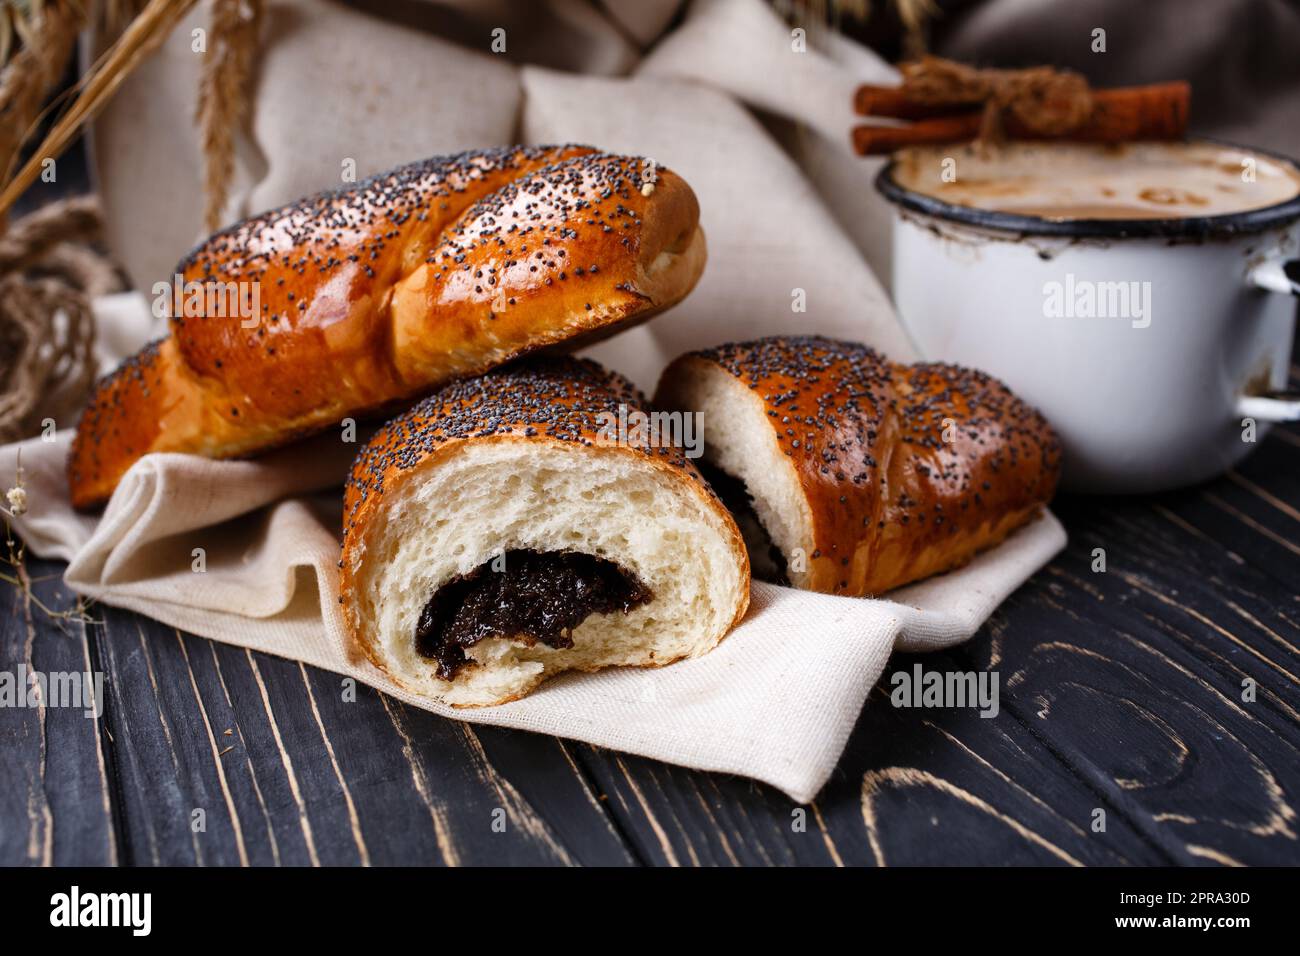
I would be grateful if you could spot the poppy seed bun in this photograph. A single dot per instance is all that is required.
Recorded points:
(865, 474)
(513, 465)
(363, 299)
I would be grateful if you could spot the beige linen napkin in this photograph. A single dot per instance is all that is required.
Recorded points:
(775, 701)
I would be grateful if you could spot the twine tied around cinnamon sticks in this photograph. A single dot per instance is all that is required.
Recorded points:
(952, 102)
(1048, 101)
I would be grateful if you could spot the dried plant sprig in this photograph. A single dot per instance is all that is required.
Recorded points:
(17, 498)
(102, 80)
(17, 493)
(36, 40)
(20, 580)
(915, 15)
(116, 14)
(224, 95)
(19, 22)
(912, 14)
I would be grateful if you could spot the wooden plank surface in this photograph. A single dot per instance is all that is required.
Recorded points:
(55, 779)
(1121, 694)
(289, 767)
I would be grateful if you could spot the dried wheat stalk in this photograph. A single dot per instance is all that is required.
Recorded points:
(223, 95)
(46, 33)
(102, 80)
(913, 14)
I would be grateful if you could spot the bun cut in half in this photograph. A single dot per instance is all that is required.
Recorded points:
(503, 531)
(851, 474)
(354, 302)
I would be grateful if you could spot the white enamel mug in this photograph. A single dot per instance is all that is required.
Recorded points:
(1158, 348)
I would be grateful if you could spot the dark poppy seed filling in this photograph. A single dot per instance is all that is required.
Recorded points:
(766, 562)
(539, 596)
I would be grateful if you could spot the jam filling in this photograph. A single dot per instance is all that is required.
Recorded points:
(766, 562)
(539, 596)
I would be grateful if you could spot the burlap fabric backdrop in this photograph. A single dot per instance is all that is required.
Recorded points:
(777, 700)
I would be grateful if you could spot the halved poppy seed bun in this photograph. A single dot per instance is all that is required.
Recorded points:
(851, 474)
(502, 531)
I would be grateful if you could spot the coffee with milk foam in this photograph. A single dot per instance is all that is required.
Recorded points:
(1063, 181)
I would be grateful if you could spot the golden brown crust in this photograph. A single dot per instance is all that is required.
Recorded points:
(372, 295)
(907, 470)
(555, 400)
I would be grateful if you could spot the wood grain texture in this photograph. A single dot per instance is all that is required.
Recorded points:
(1121, 692)
(55, 790)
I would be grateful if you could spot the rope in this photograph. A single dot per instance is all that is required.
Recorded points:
(1047, 101)
(48, 277)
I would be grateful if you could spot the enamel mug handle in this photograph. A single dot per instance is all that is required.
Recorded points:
(1273, 275)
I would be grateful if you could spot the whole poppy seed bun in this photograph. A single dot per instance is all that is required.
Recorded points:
(864, 474)
(454, 505)
(370, 296)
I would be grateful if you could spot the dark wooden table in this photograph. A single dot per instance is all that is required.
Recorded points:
(1122, 692)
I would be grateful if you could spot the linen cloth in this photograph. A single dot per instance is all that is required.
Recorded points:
(778, 698)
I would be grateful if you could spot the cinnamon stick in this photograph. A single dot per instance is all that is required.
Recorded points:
(879, 140)
(894, 103)
(1158, 111)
